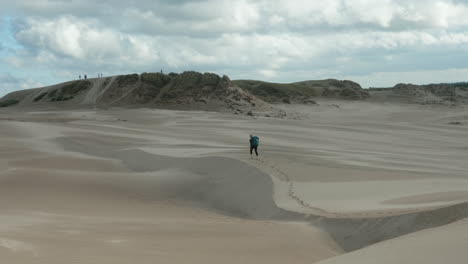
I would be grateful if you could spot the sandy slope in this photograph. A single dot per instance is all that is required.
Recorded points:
(178, 187)
(446, 244)
(72, 192)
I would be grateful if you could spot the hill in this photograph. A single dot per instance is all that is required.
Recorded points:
(303, 92)
(442, 93)
(207, 91)
(188, 90)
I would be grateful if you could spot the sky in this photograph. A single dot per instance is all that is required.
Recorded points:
(377, 43)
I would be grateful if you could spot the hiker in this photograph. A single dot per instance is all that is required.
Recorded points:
(79, 77)
(86, 77)
(254, 142)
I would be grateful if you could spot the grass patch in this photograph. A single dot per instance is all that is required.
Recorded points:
(68, 91)
(302, 91)
(106, 82)
(187, 80)
(173, 74)
(210, 79)
(124, 80)
(156, 79)
(459, 84)
(75, 87)
(52, 94)
(9, 102)
(38, 98)
(276, 92)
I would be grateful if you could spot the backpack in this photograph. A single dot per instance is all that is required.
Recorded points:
(255, 141)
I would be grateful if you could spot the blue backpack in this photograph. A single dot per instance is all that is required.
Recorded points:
(255, 141)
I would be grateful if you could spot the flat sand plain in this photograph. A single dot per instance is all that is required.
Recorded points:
(160, 186)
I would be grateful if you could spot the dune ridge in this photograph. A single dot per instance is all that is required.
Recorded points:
(235, 188)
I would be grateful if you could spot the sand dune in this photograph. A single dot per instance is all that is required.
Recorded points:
(80, 200)
(445, 244)
(123, 185)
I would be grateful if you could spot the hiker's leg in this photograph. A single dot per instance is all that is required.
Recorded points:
(251, 148)
(256, 152)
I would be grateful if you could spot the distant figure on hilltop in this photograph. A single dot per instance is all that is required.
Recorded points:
(86, 77)
(79, 77)
(254, 142)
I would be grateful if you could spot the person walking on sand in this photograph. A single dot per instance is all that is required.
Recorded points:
(254, 142)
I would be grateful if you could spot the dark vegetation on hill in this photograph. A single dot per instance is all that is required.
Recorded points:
(303, 92)
(9, 102)
(200, 87)
(460, 85)
(65, 93)
(208, 91)
(119, 88)
(188, 90)
(442, 93)
(150, 87)
(185, 89)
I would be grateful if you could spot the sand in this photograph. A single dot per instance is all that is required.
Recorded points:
(160, 186)
(446, 244)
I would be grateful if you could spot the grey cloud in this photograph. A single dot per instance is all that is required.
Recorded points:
(208, 17)
(7, 78)
(278, 39)
(8, 83)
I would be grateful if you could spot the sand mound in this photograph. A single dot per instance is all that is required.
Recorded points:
(352, 234)
(432, 246)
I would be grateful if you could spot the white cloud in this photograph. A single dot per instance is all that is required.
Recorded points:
(379, 13)
(85, 40)
(415, 77)
(282, 40)
(70, 36)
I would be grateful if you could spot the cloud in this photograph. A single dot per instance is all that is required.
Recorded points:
(10, 83)
(377, 14)
(415, 77)
(7, 78)
(209, 17)
(70, 36)
(280, 40)
(87, 40)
